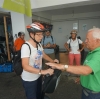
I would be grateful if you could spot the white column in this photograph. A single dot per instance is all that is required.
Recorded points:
(19, 23)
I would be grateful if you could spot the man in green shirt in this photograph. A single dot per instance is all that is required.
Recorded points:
(90, 70)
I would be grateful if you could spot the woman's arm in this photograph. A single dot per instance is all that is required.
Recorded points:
(46, 57)
(66, 45)
(27, 67)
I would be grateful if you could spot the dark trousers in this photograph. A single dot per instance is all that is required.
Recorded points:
(89, 95)
(33, 89)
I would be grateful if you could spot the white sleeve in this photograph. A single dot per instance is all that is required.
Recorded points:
(68, 41)
(80, 41)
(25, 51)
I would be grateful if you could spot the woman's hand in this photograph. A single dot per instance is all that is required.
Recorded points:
(56, 66)
(79, 50)
(56, 61)
(47, 71)
(69, 50)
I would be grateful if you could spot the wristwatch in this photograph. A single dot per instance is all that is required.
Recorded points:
(65, 67)
(40, 72)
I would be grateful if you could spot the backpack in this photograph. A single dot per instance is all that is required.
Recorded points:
(17, 63)
(56, 49)
(44, 39)
(80, 46)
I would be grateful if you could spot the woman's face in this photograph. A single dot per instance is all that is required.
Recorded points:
(73, 35)
(38, 36)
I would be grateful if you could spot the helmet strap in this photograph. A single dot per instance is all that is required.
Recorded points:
(37, 43)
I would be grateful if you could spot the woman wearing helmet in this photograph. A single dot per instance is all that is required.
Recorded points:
(32, 64)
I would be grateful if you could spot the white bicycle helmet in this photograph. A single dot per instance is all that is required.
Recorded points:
(35, 27)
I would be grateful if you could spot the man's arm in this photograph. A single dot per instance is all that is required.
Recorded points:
(54, 42)
(81, 70)
(53, 45)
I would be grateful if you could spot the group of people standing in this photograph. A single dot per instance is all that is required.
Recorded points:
(32, 64)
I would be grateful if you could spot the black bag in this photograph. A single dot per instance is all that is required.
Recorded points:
(17, 63)
(50, 83)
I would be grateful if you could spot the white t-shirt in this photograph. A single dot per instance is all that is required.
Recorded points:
(35, 61)
(74, 45)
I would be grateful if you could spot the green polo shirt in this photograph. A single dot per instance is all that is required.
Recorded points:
(92, 81)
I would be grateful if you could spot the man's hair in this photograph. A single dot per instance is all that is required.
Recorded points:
(19, 33)
(95, 32)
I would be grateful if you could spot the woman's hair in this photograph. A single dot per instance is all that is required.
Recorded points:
(95, 33)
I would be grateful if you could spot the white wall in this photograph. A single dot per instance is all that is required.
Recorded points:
(1, 3)
(67, 26)
(19, 23)
(27, 20)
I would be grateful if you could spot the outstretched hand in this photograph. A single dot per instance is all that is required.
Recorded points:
(55, 66)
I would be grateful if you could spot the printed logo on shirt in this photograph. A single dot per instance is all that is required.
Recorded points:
(86, 61)
(38, 59)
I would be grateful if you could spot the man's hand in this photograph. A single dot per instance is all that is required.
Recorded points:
(48, 45)
(56, 66)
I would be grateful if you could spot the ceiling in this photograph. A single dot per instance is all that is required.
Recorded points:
(75, 10)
